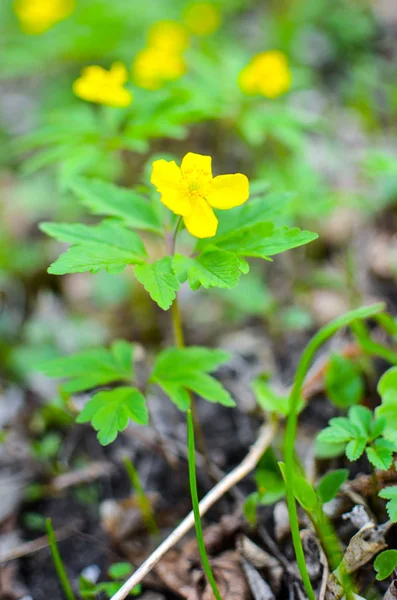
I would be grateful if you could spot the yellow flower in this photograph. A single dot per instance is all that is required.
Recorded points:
(202, 18)
(36, 16)
(268, 74)
(192, 192)
(153, 67)
(168, 36)
(104, 87)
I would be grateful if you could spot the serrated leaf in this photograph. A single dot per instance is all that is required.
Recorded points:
(110, 412)
(91, 368)
(208, 388)
(343, 382)
(385, 564)
(330, 484)
(390, 493)
(103, 198)
(108, 245)
(355, 448)
(380, 454)
(261, 209)
(340, 429)
(361, 417)
(264, 240)
(213, 268)
(187, 368)
(159, 281)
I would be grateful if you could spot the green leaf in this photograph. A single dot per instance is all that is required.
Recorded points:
(381, 454)
(159, 281)
(261, 209)
(304, 493)
(267, 399)
(361, 417)
(208, 388)
(91, 368)
(343, 382)
(264, 240)
(213, 268)
(385, 563)
(120, 570)
(330, 484)
(340, 429)
(390, 493)
(179, 369)
(108, 246)
(355, 448)
(110, 412)
(107, 199)
(327, 450)
(388, 382)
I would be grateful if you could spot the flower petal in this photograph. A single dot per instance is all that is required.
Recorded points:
(228, 191)
(201, 221)
(166, 176)
(196, 166)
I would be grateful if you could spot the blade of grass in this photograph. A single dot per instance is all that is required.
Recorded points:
(58, 563)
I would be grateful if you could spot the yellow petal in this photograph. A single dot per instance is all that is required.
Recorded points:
(228, 191)
(196, 167)
(166, 176)
(201, 221)
(118, 72)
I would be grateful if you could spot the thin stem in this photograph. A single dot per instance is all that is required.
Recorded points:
(58, 563)
(196, 507)
(292, 422)
(142, 499)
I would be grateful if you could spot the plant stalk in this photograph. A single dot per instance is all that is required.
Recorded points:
(58, 563)
(292, 422)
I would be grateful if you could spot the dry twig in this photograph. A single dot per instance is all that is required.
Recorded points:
(266, 435)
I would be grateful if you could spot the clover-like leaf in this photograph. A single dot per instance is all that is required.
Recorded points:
(380, 454)
(159, 281)
(91, 368)
(355, 448)
(110, 411)
(385, 564)
(390, 493)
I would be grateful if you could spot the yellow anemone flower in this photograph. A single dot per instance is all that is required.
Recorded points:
(192, 192)
(36, 16)
(169, 36)
(104, 87)
(153, 67)
(268, 74)
(202, 18)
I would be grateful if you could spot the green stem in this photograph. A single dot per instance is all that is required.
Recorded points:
(194, 425)
(142, 499)
(58, 563)
(292, 422)
(196, 508)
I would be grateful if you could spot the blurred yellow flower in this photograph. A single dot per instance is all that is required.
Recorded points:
(36, 16)
(153, 67)
(268, 74)
(202, 18)
(168, 36)
(104, 87)
(192, 192)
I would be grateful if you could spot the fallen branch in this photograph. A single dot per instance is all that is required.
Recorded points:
(266, 435)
